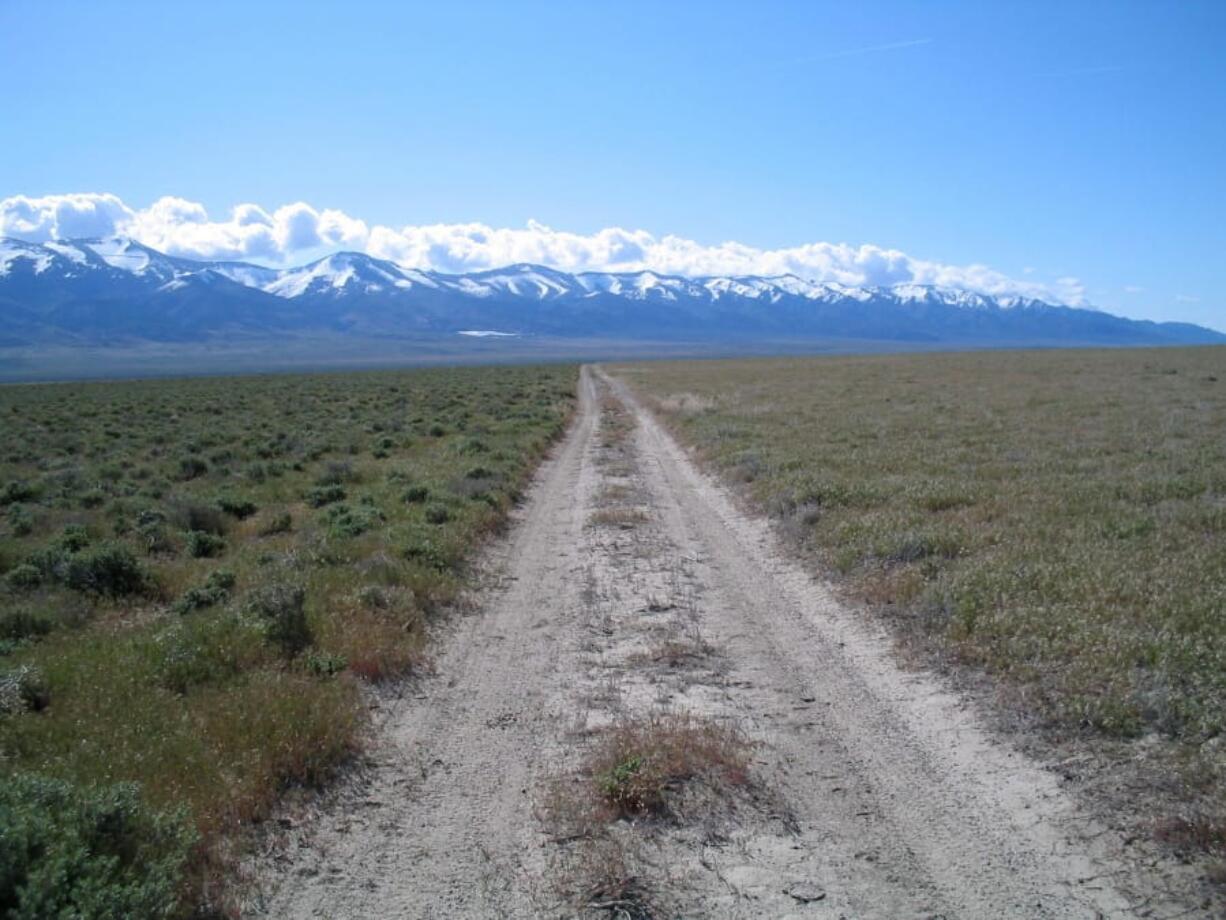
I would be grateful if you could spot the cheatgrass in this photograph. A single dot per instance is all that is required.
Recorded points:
(1057, 519)
(197, 576)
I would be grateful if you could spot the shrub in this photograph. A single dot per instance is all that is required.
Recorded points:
(187, 515)
(325, 495)
(336, 472)
(239, 508)
(94, 498)
(72, 538)
(438, 514)
(344, 521)
(415, 495)
(22, 689)
(322, 664)
(17, 492)
(23, 577)
(215, 589)
(21, 522)
(470, 446)
(110, 569)
(19, 625)
(282, 611)
(202, 545)
(192, 468)
(155, 540)
(205, 650)
(88, 853)
(427, 552)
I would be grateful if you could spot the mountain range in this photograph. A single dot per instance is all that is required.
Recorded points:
(117, 291)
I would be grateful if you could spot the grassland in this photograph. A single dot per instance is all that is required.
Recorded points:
(1056, 520)
(197, 577)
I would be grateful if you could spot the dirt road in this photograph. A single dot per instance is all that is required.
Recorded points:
(630, 583)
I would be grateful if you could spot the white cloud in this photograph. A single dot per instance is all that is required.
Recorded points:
(182, 227)
(61, 216)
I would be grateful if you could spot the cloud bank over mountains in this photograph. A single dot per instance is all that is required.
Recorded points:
(181, 227)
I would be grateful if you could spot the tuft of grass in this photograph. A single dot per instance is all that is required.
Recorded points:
(624, 518)
(638, 767)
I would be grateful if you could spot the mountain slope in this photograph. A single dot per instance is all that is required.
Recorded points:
(117, 290)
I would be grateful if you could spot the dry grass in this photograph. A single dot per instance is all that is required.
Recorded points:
(675, 653)
(1056, 520)
(664, 767)
(625, 518)
(614, 493)
(363, 493)
(641, 767)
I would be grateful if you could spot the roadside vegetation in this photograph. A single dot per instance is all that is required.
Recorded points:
(1056, 520)
(197, 577)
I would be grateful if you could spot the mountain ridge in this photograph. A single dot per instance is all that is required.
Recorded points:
(96, 291)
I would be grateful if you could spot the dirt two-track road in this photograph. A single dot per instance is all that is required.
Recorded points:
(874, 793)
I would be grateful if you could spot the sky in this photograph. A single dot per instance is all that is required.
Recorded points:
(1075, 151)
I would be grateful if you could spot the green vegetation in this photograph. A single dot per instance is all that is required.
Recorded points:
(640, 767)
(196, 577)
(68, 852)
(1057, 519)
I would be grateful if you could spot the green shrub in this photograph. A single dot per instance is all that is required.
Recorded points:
(88, 854)
(325, 495)
(205, 650)
(110, 569)
(239, 508)
(23, 689)
(72, 538)
(189, 515)
(192, 468)
(17, 491)
(216, 588)
(322, 664)
(415, 495)
(21, 522)
(470, 446)
(281, 608)
(23, 577)
(438, 514)
(344, 521)
(204, 545)
(19, 625)
(428, 553)
(94, 498)
(336, 472)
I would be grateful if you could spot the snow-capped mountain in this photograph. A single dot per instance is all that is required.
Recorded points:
(118, 290)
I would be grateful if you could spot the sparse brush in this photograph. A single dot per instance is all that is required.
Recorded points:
(161, 672)
(1054, 519)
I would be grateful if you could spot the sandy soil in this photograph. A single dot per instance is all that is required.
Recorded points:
(630, 583)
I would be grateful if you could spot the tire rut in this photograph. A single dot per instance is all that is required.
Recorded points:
(630, 584)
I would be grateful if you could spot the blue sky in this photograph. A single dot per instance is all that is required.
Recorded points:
(1044, 141)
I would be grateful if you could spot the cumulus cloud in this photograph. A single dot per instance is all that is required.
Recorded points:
(182, 227)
